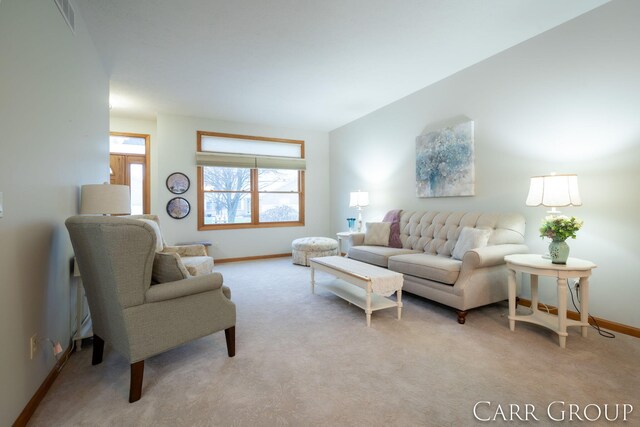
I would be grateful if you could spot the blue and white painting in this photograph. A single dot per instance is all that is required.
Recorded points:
(445, 162)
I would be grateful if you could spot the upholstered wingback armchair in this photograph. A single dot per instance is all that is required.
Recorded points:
(116, 256)
(194, 257)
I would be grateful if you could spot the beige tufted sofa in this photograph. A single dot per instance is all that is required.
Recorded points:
(428, 239)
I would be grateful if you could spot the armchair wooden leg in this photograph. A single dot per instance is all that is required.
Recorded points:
(230, 335)
(135, 388)
(98, 349)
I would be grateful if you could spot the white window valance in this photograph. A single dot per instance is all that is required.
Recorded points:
(249, 161)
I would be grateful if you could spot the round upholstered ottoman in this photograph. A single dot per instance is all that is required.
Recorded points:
(312, 247)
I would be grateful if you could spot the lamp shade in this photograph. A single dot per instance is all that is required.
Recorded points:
(105, 199)
(554, 191)
(359, 199)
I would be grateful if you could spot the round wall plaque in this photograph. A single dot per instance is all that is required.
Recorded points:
(178, 183)
(178, 207)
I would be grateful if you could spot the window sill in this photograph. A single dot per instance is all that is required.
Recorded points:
(206, 227)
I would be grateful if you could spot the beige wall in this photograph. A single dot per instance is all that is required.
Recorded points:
(54, 125)
(565, 101)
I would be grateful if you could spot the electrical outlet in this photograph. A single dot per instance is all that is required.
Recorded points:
(33, 346)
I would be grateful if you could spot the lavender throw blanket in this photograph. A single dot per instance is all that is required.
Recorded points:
(394, 236)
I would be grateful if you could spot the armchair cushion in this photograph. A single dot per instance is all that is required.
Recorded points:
(168, 267)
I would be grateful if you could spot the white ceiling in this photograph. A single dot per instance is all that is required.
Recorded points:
(310, 64)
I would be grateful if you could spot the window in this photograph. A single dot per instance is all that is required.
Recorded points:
(249, 181)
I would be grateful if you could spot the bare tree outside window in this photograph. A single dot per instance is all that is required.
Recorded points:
(228, 195)
(231, 186)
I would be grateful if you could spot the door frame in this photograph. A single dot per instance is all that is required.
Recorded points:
(146, 200)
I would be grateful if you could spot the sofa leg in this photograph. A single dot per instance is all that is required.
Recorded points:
(517, 301)
(462, 314)
(135, 387)
(98, 349)
(230, 335)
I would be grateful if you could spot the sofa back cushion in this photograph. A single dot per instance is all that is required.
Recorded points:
(437, 232)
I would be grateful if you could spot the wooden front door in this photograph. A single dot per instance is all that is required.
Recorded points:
(132, 170)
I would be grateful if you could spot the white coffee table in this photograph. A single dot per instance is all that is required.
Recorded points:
(364, 285)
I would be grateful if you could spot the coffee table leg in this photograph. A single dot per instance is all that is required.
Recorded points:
(399, 301)
(312, 280)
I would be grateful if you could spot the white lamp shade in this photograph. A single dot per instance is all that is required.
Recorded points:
(105, 199)
(359, 199)
(554, 191)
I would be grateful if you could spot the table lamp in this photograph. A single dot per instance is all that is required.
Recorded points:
(554, 191)
(105, 199)
(359, 199)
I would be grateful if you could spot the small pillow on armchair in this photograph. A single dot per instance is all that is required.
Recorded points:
(168, 267)
(470, 238)
(377, 233)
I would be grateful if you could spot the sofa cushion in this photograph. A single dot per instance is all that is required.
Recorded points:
(470, 238)
(376, 255)
(377, 233)
(431, 267)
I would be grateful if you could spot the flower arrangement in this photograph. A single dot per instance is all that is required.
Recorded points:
(560, 228)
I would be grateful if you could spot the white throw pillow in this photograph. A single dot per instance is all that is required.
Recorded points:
(377, 233)
(156, 228)
(470, 238)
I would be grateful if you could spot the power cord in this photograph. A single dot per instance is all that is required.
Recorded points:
(601, 332)
(56, 349)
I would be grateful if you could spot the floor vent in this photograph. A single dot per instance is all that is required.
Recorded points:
(66, 8)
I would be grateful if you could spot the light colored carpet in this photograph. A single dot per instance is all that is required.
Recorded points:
(310, 360)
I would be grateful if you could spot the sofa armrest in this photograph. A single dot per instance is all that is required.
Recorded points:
(183, 288)
(187, 250)
(491, 255)
(356, 239)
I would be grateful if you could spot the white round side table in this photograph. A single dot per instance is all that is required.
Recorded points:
(536, 265)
